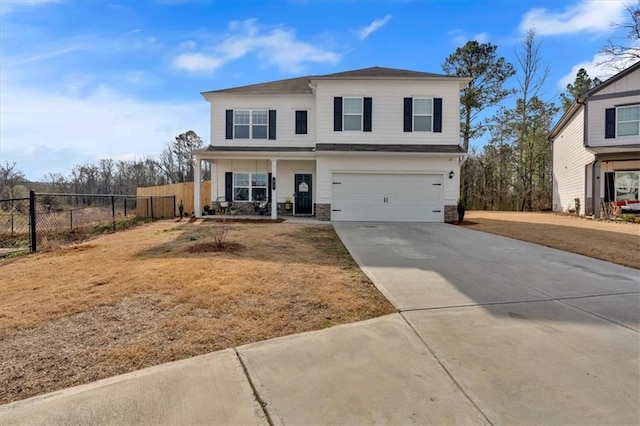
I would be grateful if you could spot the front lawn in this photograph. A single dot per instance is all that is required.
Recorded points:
(167, 291)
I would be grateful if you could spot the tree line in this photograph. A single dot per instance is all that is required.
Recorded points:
(512, 171)
(107, 176)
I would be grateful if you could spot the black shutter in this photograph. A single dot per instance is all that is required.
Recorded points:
(272, 124)
(609, 187)
(437, 115)
(228, 186)
(337, 114)
(269, 190)
(408, 114)
(368, 107)
(229, 124)
(609, 123)
(301, 122)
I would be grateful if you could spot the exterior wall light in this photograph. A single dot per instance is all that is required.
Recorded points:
(451, 174)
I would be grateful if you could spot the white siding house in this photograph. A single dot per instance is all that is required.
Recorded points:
(373, 144)
(596, 146)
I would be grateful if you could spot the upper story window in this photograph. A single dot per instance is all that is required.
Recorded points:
(422, 115)
(352, 114)
(628, 121)
(250, 124)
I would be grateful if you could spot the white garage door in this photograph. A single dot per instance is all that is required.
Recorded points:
(387, 197)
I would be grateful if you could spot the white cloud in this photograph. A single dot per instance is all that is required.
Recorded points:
(277, 47)
(601, 66)
(197, 62)
(460, 38)
(373, 26)
(585, 16)
(51, 132)
(481, 37)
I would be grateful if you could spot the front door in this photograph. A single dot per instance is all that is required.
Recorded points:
(303, 194)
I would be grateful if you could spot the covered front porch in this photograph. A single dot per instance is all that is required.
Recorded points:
(613, 177)
(263, 183)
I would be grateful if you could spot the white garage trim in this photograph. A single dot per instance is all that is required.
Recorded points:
(387, 197)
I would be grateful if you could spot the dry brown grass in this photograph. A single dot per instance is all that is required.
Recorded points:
(160, 293)
(613, 241)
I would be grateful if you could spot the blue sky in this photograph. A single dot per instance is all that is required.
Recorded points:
(84, 80)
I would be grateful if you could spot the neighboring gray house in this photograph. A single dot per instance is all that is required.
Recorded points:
(596, 146)
(375, 144)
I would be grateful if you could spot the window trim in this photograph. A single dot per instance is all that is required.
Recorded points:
(250, 186)
(628, 121)
(414, 114)
(251, 124)
(361, 114)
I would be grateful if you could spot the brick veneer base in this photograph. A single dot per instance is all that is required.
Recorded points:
(323, 211)
(450, 214)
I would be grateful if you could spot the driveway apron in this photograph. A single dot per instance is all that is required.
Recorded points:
(530, 334)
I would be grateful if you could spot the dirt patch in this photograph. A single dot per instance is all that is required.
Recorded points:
(613, 241)
(214, 247)
(145, 296)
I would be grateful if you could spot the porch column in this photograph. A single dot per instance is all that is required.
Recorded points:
(274, 198)
(595, 189)
(213, 194)
(197, 184)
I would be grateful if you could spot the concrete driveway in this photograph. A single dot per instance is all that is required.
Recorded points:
(529, 334)
(489, 331)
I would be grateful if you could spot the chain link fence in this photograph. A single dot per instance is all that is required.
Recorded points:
(45, 221)
(14, 225)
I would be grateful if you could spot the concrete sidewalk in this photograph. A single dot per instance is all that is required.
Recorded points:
(490, 330)
(208, 389)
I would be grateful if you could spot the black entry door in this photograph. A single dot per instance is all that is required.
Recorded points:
(303, 194)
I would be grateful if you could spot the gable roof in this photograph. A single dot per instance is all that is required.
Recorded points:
(578, 103)
(300, 85)
(378, 72)
(288, 86)
(610, 81)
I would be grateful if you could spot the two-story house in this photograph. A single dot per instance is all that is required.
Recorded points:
(374, 144)
(596, 146)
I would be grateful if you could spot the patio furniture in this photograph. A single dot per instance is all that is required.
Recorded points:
(261, 207)
(222, 206)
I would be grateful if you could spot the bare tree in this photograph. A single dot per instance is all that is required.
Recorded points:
(621, 53)
(10, 177)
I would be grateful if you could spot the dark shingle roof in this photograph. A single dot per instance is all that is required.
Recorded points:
(300, 85)
(363, 147)
(378, 72)
(289, 86)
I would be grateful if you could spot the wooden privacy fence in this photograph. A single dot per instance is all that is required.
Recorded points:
(182, 191)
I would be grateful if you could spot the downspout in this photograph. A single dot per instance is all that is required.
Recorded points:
(595, 189)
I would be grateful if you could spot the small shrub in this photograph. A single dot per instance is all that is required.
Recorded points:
(462, 208)
(220, 235)
(629, 218)
(577, 204)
